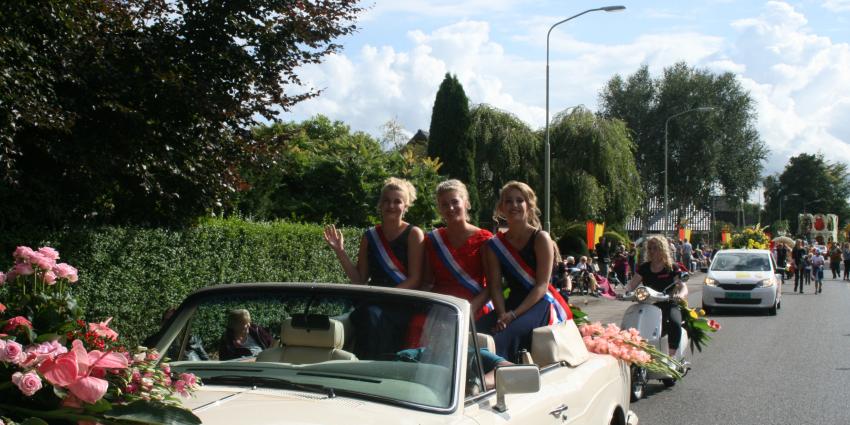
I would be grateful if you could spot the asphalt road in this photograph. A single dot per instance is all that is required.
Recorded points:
(793, 368)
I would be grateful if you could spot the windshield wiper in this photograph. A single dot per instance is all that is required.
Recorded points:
(263, 381)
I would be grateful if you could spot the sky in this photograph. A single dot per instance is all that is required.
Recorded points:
(792, 56)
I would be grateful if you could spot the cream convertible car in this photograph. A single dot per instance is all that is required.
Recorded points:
(425, 366)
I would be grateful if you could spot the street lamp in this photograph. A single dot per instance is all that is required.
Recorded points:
(666, 205)
(548, 150)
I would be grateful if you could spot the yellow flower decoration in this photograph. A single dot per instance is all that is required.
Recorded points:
(693, 314)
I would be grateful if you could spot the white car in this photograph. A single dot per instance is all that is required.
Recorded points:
(743, 278)
(315, 372)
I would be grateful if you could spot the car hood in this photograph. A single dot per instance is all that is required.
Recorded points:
(738, 277)
(232, 405)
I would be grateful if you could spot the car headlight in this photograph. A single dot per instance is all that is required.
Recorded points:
(641, 294)
(766, 283)
(710, 282)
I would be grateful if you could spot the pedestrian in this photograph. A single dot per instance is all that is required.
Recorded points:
(603, 255)
(798, 254)
(632, 259)
(835, 261)
(817, 270)
(807, 268)
(621, 267)
(845, 254)
(687, 254)
(782, 258)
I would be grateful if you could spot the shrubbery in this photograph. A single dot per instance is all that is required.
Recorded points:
(134, 274)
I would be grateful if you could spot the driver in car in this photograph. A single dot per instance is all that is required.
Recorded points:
(660, 274)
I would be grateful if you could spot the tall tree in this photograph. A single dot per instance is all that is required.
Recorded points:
(137, 111)
(594, 176)
(449, 139)
(707, 150)
(808, 183)
(506, 149)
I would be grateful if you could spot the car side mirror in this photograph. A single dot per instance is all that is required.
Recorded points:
(516, 379)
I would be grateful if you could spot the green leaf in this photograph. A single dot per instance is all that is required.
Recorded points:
(144, 412)
(34, 421)
(46, 337)
(99, 407)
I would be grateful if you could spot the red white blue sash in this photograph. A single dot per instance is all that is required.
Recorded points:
(456, 270)
(513, 262)
(388, 261)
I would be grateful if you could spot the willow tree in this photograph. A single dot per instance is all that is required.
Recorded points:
(506, 149)
(594, 176)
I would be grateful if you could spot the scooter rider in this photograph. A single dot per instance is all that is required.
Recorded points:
(659, 273)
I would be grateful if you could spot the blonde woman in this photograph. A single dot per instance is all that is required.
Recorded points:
(453, 262)
(523, 256)
(390, 253)
(661, 274)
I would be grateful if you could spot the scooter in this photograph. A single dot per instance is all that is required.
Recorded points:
(646, 318)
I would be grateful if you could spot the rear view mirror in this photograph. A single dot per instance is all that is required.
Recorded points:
(516, 379)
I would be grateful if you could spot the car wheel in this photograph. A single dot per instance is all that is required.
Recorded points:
(638, 383)
(668, 382)
(771, 311)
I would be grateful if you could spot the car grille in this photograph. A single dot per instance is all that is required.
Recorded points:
(737, 301)
(737, 286)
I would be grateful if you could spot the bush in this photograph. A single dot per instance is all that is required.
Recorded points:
(134, 274)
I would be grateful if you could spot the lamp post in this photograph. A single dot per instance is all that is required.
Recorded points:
(666, 124)
(547, 220)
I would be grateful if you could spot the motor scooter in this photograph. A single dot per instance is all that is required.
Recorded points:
(646, 317)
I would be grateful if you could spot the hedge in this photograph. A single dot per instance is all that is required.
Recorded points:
(135, 274)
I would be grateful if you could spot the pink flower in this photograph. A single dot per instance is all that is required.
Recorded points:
(49, 252)
(36, 354)
(11, 275)
(180, 388)
(28, 383)
(65, 271)
(189, 378)
(714, 324)
(23, 253)
(2, 306)
(42, 262)
(23, 269)
(2, 278)
(16, 322)
(73, 371)
(13, 352)
(49, 278)
(101, 329)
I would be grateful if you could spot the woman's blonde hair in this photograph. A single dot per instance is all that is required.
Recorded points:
(453, 185)
(530, 199)
(236, 317)
(405, 187)
(663, 249)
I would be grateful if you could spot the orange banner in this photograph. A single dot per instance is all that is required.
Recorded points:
(594, 232)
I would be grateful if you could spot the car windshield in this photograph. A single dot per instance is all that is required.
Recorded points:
(392, 348)
(741, 261)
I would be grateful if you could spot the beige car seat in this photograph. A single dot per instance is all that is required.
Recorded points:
(301, 345)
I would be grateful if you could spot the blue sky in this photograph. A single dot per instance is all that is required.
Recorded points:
(793, 57)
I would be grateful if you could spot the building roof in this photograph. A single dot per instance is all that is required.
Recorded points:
(697, 219)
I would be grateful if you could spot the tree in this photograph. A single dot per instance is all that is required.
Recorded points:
(706, 149)
(449, 139)
(325, 173)
(136, 111)
(808, 183)
(506, 149)
(393, 135)
(594, 176)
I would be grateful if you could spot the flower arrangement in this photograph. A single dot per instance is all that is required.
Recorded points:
(749, 238)
(697, 326)
(56, 367)
(629, 346)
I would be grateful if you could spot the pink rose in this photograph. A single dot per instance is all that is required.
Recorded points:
(49, 278)
(42, 262)
(13, 352)
(2, 306)
(65, 271)
(49, 252)
(189, 378)
(28, 383)
(23, 269)
(23, 253)
(36, 354)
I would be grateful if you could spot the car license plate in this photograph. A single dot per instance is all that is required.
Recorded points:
(738, 295)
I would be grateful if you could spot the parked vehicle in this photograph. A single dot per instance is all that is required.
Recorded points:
(646, 317)
(433, 372)
(743, 278)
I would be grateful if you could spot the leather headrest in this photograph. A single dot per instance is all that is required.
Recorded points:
(291, 334)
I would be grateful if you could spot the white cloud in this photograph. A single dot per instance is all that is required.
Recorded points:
(837, 5)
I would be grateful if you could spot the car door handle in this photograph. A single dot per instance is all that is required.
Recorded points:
(558, 411)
